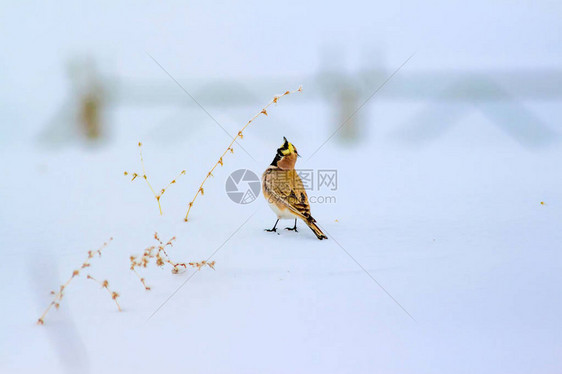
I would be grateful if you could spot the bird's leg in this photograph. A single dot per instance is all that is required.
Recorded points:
(274, 227)
(292, 228)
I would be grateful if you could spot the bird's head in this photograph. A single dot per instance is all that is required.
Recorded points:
(286, 156)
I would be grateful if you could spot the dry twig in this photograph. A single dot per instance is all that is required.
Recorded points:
(240, 135)
(144, 176)
(105, 284)
(158, 252)
(57, 296)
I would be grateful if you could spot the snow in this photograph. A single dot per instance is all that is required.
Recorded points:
(441, 257)
(453, 230)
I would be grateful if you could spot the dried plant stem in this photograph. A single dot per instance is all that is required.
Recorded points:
(240, 135)
(146, 287)
(105, 284)
(157, 196)
(57, 296)
(56, 301)
(202, 264)
(146, 179)
(158, 252)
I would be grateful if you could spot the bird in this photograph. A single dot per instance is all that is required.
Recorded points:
(284, 191)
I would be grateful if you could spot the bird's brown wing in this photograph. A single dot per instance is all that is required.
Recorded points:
(286, 186)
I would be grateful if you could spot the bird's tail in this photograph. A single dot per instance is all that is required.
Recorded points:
(311, 222)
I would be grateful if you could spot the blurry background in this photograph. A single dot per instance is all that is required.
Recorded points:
(448, 184)
(73, 68)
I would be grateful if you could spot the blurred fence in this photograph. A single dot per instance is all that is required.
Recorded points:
(83, 116)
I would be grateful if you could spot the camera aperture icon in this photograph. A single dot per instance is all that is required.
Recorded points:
(243, 186)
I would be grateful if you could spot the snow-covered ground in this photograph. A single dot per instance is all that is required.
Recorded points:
(453, 229)
(441, 257)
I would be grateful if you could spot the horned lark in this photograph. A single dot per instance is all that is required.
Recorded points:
(283, 189)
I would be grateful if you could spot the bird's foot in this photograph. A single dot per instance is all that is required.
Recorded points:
(292, 229)
(271, 230)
